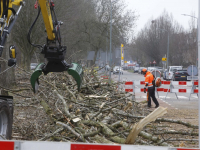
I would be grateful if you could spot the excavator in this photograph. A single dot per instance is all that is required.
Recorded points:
(53, 51)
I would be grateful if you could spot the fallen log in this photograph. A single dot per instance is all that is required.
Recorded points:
(160, 111)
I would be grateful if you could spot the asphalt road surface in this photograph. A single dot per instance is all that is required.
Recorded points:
(170, 100)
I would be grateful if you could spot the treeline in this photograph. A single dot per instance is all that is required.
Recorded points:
(152, 41)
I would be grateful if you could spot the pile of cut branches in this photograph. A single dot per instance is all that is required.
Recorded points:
(99, 113)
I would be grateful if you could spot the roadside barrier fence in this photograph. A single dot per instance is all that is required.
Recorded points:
(132, 86)
(35, 145)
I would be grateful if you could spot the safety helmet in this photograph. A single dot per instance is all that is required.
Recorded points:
(144, 71)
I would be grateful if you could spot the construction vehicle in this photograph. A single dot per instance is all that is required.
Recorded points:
(53, 51)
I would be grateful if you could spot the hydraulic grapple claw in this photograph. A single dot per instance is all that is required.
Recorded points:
(35, 77)
(76, 72)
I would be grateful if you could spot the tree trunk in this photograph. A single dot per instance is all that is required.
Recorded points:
(7, 79)
(27, 62)
(95, 56)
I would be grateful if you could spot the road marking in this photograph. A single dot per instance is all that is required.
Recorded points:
(173, 97)
(195, 96)
(182, 97)
(168, 103)
(164, 97)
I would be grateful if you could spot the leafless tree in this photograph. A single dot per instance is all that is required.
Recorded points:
(21, 29)
(95, 30)
(152, 40)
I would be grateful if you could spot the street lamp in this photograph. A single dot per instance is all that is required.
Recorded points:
(197, 31)
(198, 62)
(190, 16)
(167, 41)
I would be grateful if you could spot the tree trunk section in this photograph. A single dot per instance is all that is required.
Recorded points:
(7, 79)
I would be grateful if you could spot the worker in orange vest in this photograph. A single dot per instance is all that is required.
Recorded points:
(150, 87)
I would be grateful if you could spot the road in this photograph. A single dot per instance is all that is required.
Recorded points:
(170, 100)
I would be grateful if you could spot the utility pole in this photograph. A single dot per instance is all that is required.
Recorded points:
(199, 67)
(110, 41)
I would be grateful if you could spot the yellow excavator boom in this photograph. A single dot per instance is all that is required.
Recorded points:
(11, 2)
(46, 13)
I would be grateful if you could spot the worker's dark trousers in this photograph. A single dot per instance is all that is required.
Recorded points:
(151, 91)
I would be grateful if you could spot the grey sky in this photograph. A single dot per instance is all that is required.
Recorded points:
(148, 9)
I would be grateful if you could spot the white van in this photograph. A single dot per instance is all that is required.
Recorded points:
(171, 70)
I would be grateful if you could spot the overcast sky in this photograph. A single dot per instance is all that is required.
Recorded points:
(148, 9)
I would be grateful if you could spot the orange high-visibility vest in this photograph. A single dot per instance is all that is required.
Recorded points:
(148, 79)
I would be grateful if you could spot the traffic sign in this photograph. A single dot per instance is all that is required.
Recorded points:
(192, 70)
(154, 62)
(164, 59)
(125, 62)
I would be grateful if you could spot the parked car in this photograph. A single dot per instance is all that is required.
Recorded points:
(136, 69)
(164, 74)
(180, 75)
(150, 68)
(160, 69)
(33, 66)
(125, 67)
(156, 73)
(171, 70)
(117, 69)
(107, 67)
(140, 70)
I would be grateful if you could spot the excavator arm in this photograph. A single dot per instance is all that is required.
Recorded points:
(46, 13)
(53, 50)
(7, 21)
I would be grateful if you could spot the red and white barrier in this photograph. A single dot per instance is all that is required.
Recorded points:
(193, 90)
(35, 145)
(130, 86)
(104, 77)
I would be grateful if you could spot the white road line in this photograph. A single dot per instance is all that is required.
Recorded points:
(164, 97)
(182, 97)
(144, 96)
(167, 103)
(195, 96)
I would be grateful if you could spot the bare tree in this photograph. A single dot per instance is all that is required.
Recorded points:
(21, 29)
(152, 40)
(96, 29)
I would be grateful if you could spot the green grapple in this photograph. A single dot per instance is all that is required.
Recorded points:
(35, 77)
(75, 70)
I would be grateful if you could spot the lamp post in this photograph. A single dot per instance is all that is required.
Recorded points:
(197, 32)
(167, 41)
(110, 41)
(199, 66)
(191, 16)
